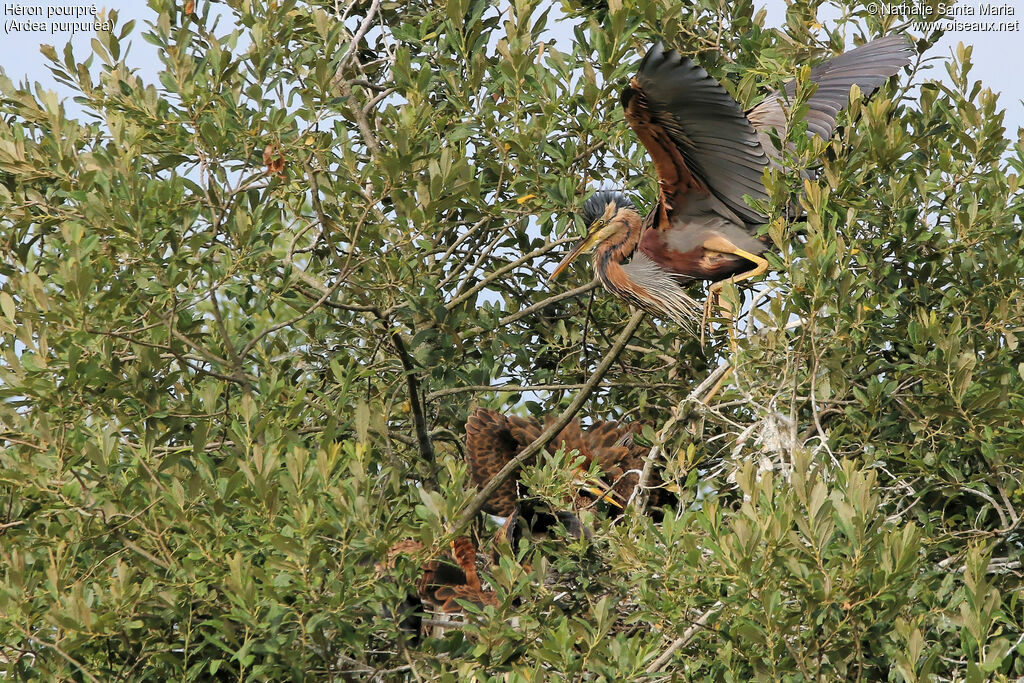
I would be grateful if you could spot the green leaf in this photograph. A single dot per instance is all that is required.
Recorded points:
(7, 306)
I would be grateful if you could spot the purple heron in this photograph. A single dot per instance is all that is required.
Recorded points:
(708, 154)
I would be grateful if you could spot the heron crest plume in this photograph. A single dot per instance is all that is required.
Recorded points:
(597, 205)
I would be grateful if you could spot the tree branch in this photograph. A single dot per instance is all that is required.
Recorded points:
(529, 310)
(491, 277)
(681, 412)
(415, 400)
(524, 388)
(659, 663)
(364, 26)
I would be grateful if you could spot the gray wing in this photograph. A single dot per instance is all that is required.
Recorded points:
(868, 66)
(697, 135)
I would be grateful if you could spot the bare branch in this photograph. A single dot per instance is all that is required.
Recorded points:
(679, 413)
(659, 663)
(540, 251)
(524, 388)
(530, 310)
(415, 400)
(236, 359)
(364, 26)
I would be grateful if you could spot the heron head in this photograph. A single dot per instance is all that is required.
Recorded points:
(600, 215)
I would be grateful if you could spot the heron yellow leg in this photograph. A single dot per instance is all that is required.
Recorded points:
(724, 246)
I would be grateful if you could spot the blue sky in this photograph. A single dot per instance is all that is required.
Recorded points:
(996, 52)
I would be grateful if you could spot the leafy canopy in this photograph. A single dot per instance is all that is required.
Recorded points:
(244, 311)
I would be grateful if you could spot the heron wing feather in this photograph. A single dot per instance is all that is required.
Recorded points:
(697, 135)
(490, 445)
(868, 67)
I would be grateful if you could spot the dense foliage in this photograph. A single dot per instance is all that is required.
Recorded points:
(245, 309)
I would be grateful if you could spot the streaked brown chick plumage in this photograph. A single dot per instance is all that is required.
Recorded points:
(493, 439)
(448, 579)
(443, 585)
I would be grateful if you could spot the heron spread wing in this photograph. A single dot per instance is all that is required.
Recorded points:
(868, 67)
(697, 135)
(491, 441)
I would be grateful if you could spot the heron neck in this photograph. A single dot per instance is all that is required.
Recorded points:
(617, 281)
(621, 245)
(615, 250)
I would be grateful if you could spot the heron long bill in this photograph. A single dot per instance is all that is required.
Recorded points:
(581, 247)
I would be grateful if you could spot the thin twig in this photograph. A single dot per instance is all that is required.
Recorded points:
(364, 26)
(1006, 501)
(500, 272)
(369, 137)
(291, 321)
(526, 388)
(139, 551)
(455, 245)
(233, 354)
(412, 380)
(56, 648)
(681, 412)
(530, 310)
(659, 663)
(415, 399)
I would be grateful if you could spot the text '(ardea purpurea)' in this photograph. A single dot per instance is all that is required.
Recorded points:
(708, 154)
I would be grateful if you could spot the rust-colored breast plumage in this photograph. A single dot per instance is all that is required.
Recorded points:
(443, 585)
(697, 262)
